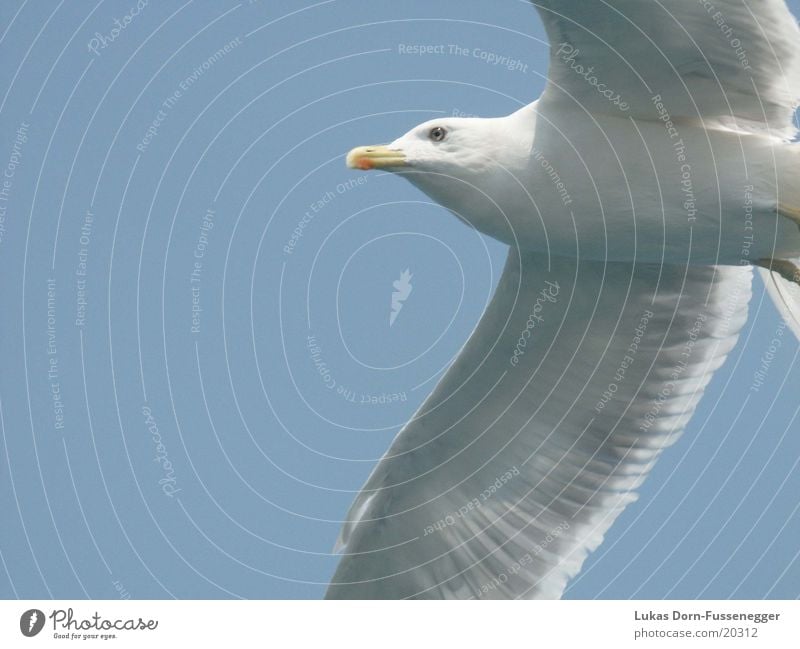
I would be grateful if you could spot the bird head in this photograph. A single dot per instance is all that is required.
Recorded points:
(469, 165)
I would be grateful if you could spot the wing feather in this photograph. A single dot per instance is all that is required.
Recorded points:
(582, 373)
(785, 296)
(733, 61)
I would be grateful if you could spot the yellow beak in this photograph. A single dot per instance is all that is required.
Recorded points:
(375, 157)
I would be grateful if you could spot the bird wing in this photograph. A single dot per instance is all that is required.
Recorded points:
(786, 297)
(735, 61)
(575, 379)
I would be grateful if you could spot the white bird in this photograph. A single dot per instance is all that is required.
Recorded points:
(636, 194)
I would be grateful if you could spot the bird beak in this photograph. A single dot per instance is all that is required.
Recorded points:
(375, 157)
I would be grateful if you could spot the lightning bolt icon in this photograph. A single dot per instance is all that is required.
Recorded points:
(402, 289)
(32, 621)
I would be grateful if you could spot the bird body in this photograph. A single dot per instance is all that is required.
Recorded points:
(685, 194)
(665, 192)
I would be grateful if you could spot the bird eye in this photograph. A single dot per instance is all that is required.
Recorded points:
(437, 134)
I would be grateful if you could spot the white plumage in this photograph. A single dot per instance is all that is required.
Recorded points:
(625, 288)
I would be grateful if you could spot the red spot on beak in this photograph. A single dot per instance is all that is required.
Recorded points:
(365, 164)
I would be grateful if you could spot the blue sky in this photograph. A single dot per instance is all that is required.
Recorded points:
(199, 362)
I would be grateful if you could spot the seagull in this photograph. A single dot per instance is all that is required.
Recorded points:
(636, 196)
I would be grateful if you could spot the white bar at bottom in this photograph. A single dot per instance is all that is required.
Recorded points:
(400, 625)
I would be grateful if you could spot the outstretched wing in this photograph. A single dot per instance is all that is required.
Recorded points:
(735, 61)
(576, 378)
